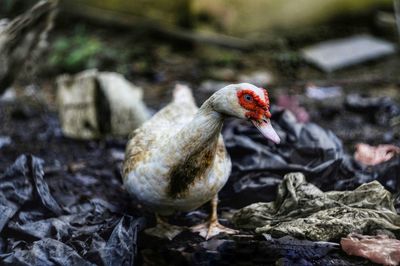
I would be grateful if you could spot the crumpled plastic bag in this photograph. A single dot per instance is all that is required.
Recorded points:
(304, 211)
(36, 230)
(379, 249)
(305, 147)
(258, 166)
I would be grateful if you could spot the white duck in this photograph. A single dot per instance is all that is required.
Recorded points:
(177, 161)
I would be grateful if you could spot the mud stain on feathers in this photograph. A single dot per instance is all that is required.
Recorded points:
(195, 167)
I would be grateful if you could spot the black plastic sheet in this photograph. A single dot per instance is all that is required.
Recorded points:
(36, 230)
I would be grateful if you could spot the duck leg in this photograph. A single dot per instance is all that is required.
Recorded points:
(164, 230)
(212, 227)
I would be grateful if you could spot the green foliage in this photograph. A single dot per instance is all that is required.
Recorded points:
(76, 52)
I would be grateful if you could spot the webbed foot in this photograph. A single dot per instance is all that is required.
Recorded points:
(212, 228)
(164, 229)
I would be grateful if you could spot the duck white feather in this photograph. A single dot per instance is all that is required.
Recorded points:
(177, 161)
(163, 144)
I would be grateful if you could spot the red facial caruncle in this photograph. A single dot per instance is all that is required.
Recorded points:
(257, 108)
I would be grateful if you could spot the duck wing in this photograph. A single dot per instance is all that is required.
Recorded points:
(164, 124)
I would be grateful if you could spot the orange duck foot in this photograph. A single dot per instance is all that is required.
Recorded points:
(211, 228)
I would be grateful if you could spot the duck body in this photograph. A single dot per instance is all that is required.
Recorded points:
(172, 163)
(177, 161)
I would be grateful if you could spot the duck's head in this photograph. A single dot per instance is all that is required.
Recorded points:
(246, 101)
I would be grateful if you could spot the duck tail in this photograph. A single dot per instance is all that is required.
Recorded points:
(182, 93)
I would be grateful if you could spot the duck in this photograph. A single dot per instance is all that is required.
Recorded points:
(177, 161)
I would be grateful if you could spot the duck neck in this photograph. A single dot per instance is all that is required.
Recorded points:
(193, 149)
(200, 133)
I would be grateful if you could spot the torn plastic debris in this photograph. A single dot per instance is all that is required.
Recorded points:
(379, 249)
(94, 104)
(34, 229)
(302, 210)
(370, 155)
(121, 247)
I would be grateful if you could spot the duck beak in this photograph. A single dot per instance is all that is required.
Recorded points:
(266, 129)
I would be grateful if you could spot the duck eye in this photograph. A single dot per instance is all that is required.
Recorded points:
(248, 97)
